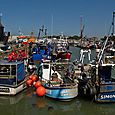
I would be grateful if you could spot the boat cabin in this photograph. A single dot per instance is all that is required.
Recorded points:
(46, 70)
(11, 73)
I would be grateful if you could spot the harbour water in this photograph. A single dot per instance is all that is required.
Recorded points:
(27, 103)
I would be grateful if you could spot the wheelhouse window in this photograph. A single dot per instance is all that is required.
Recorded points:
(7, 70)
(45, 66)
(8, 74)
(4, 70)
(13, 69)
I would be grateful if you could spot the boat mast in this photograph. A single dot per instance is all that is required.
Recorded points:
(51, 26)
(1, 29)
(112, 34)
(40, 30)
(0, 17)
(81, 28)
(19, 31)
(102, 51)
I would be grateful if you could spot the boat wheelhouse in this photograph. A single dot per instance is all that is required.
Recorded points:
(12, 77)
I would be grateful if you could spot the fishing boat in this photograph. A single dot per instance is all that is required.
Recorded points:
(41, 49)
(106, 67)
(57, 82)
(12, 77)
(61, 47)
(62, 50)
(64, 55)
(105, 87)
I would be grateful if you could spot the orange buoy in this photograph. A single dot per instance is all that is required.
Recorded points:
(29, 82)
(40, 91)
(37, 84)
(30, 77)
(34, 78)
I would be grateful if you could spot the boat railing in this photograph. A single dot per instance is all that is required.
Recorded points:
(61, 84)
(58, 83)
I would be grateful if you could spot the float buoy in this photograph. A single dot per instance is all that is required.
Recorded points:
(37, 84)
(40, 91)
(30, 77)
(34, 78)
(29, 82)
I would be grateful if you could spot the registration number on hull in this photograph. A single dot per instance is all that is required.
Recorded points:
(4, 90)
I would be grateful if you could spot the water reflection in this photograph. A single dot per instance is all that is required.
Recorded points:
(44, 105)
(12, 105)
(54, 106)
(28, 103)
(92, 108)
(76, 106)
(9, 100)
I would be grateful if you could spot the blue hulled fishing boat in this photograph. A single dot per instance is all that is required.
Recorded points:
(57, 81)
(106, 85)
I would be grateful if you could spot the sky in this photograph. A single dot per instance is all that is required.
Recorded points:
(58, 16)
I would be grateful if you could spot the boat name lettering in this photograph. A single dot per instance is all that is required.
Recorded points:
(64, 94)
(107, 96)
(4, 90)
